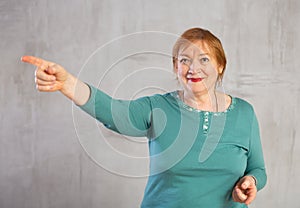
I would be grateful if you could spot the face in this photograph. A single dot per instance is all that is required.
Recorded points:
(196, 68)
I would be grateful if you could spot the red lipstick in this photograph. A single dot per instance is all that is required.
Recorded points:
(195, 79)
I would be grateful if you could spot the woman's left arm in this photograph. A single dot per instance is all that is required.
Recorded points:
(255, 175)
(256, 164)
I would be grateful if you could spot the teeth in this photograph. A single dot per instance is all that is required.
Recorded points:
(190, 77)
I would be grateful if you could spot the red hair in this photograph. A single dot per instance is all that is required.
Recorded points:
(213, 43)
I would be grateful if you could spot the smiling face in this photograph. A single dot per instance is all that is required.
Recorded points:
(196, 68)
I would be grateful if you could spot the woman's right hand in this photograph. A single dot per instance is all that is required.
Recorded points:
(49, 76)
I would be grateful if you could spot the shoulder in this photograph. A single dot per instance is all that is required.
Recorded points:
(163, 100)
(244, 110)
(156, 99)
(162, 97)
(243, 105)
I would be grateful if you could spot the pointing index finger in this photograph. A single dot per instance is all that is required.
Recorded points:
(33, 60)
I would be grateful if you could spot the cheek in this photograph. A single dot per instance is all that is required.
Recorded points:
(182, 71)
(211, 71)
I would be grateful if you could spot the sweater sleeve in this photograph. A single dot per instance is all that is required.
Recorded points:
(255, 164)
(128, 117)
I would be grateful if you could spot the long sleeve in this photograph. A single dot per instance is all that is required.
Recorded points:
(128, 117)
(255, 163)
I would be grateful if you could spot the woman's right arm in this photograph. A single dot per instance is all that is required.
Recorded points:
(50, 77)
(123, 116)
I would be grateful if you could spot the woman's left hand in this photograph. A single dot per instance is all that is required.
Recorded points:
(245, 190)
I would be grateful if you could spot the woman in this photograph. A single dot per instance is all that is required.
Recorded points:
(204, 145)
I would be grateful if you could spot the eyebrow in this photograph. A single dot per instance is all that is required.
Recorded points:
(202, 54)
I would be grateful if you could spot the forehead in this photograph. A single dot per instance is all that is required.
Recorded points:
(194, 48)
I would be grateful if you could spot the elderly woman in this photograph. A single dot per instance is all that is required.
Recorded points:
(204, 145)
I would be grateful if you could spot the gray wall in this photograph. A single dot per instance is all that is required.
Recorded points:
(42, 162)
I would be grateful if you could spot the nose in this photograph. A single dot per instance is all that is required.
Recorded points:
(195, 67)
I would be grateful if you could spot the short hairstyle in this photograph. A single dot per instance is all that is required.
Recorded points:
(198, 34)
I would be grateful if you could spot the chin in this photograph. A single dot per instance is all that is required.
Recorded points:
(197, 90)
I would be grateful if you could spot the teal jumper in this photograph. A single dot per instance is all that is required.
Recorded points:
(196, 157)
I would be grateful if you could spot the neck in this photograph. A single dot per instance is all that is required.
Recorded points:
(207, 101)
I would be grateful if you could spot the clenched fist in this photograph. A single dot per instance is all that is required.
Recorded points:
(245, 190)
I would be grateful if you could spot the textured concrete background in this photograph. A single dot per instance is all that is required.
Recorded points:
(43, 164)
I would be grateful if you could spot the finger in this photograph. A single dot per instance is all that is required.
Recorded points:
(33, 60)
(249, 199)
(44, 83)
(48, 88)
(52, 69)
(242, 197)
(236, 197)
(251, 196)
(42, 75)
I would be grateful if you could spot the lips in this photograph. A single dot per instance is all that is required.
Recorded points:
(195, 79)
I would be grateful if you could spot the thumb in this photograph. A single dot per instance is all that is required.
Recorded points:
(52, 69)
(245, 184)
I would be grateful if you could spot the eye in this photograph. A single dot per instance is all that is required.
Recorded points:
(204, 60)
(185, 61)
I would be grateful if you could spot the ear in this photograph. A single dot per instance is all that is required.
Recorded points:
(220, 69)
(175, 65)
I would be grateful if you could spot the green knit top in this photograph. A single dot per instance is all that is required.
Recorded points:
(196, 157)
